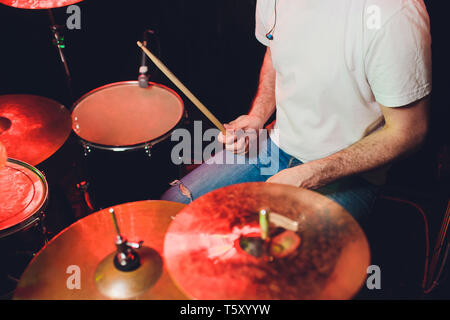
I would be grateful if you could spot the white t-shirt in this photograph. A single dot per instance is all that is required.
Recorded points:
(336, 61)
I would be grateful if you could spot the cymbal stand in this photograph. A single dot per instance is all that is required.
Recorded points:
(126, 258)
(58, 41)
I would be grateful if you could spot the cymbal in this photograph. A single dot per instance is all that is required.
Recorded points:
(38, 4)
(204, 256)
(3, 155)
(32, 128)
(86, 244)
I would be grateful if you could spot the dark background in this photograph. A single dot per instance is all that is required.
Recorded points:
(210, 46)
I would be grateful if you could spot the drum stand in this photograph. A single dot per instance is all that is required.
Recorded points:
(440, 254)
(58, 41)
(15, 260)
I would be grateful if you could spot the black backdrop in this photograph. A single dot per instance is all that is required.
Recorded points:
(209, 45)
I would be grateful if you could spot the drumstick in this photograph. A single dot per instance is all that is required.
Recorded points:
(183, 88)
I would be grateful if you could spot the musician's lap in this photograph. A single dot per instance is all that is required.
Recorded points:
(353, 193)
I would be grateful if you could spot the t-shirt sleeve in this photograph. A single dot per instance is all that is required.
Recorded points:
(260, 27)
(398, 58)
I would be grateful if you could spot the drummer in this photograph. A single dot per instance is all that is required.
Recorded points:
(350, 96)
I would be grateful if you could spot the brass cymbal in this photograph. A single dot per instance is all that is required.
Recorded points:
(204, 254)
(86, 244)
(38, 4)
(32, 128)
(116, 284)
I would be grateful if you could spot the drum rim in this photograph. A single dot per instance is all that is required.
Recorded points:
(36, 216)
(142, 145)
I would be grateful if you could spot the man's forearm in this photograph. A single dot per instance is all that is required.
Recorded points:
(376, 150)
(404, 132)
(369, 153)
(264, 103)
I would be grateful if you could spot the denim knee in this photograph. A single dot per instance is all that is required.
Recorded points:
(176, 194)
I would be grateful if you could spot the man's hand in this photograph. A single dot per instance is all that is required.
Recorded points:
(262, 108)
(305, 176)
(235, 140)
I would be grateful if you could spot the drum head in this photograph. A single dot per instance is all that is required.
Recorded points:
(23, 192)
(123, 114)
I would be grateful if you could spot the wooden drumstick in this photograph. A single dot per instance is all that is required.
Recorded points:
(183, 88)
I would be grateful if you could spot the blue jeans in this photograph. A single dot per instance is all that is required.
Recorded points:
(354, 193)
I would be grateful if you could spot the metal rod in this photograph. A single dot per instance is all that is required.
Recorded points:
(264, 223)
(58, 40)
(116, 225)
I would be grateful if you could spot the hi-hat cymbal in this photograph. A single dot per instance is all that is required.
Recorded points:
(84, 247)
(204, 256)
(32, 128)
(38, 4)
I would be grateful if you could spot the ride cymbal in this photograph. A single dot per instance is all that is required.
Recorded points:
(32, 128)
(84, 246)
(327, 258)
(38, 4)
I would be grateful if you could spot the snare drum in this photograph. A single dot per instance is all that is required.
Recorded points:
(23, 198)
(124, 131)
